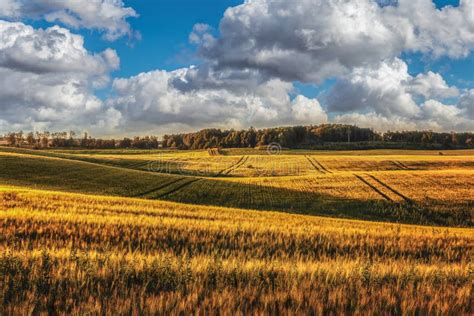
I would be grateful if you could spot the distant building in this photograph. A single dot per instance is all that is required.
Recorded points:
(3, 142)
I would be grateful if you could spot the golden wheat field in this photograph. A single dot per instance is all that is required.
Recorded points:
(245, 232)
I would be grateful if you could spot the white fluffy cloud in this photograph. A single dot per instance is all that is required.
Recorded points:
(9, 7)
(48, 79)
(384, 97)
(433, 115)
(466, 102)
(152, 100)
(431, 85)
(109, 16)
(388, 89)
(248, 65)
(308, 111)
(447, 32)
(304, 40)
(377, 121)
(55, 49)
(262, 45)
(439, 116)
(381, 88)
(311, 41)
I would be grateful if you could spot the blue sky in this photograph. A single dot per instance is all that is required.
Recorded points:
(164, 26)
(408, 65)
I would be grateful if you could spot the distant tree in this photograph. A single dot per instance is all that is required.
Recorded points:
(125, 143)
(30, 138)
(454, 138)
(427, 137)
(12, 139)
(45, 141)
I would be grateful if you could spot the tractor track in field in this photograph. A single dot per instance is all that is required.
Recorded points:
(373, 187)
(317, 165)
(138, 164)
(233, 167)
(181, 186)
(162, 186)
(400, 165)
(314, 165)
(407, 199)
(229, 168)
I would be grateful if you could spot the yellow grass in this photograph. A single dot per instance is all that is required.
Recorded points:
(287, 163)
(399, 186)
(80, 254)
(73, 241)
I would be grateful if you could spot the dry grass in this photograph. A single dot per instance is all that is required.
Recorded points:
(418, 189)
(80, 254)
(71, 253)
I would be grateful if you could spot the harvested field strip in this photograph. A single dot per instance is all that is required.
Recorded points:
(373, 188)
(177, 188)
(167, 184)
(391, 189)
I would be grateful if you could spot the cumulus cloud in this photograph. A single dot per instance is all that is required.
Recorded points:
(433, 115)
(439, 116)
(383, 96)
(376, 121)
(48, 79)
(308, 111)
(247, 69)
(201, 35)
(9, 8)
(446, 32)
(262, 46)
(381, 88)
(311, 41)
(305, 40)
(153, 100)
(466, 102)
(108, 16)
(55, 49)
(432, 85)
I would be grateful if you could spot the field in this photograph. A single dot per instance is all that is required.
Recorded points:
(169, 232)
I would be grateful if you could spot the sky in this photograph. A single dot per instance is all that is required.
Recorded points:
(135, 67)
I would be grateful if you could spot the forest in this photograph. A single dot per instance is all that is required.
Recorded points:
(325, 136)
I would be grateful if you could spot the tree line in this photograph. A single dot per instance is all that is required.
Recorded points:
(305, 137)
(70, 140)
(319, 136)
